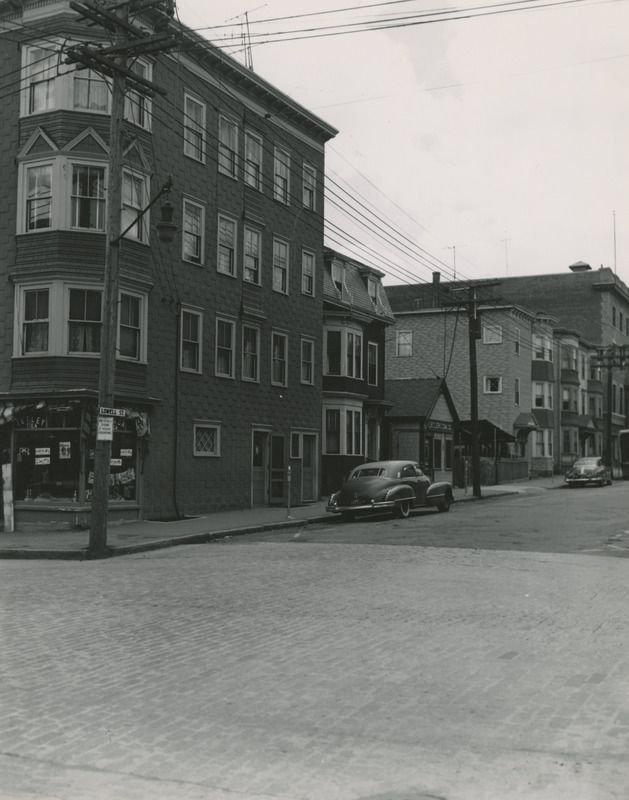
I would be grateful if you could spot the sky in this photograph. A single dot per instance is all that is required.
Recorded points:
(480, 148)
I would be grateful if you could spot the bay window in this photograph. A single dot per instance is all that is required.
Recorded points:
(343, 352)
(90, 91)
(88, 197)
(39, 197)
(343, 426)
(134, 198)
(35, 322)
(84, 320)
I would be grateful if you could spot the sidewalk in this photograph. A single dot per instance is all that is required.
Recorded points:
(134, 537)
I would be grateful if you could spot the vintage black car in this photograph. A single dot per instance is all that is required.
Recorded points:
(590, 470)
(395, 486)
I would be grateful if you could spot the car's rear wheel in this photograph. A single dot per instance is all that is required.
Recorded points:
(347, 516)
(402, 509)
(447, 502)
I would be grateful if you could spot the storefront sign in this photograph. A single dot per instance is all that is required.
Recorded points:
(116, 462)
(105, 432)
(65, 449)
(435, 425)
(42, 451)
(125, 453)
(40, 460)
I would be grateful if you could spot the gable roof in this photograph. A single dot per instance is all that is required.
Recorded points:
(417, 397)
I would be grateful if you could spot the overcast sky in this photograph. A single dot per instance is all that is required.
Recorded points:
(499, 145)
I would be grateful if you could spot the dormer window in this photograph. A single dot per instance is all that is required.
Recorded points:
(372, 288)
(337, 276)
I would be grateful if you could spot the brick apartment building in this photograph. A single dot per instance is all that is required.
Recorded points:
(218, 368)
(541, 390)
(356, 318)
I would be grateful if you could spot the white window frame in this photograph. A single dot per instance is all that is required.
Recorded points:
(281, 266)
(38, 71)
(227, 146)
(337, 273)
(543, 390)
(487, 383)
(196, 343)
(59, 319)
(19, 338)
(283, 337)
(222, 243)
(309, 191)
(403, 344)
(544, 442)
(206, 425)
(254, 147)
(255, 355)
(61, 172)
(188, 234)
(542, 347)
(308, 259)
(98, 99)
(67, 290)
(101, 201)
(343, 410)
(194, 129)
(130, 211)
(231, 350)
(143, 117)
(281, 175)
(252, 255)
(354, 354)
(348, 337)
(372, 289)
(307, 361)
(141, 327)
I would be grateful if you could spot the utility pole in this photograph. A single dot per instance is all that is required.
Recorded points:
(610, 357)
(112, 62)
(471, 305)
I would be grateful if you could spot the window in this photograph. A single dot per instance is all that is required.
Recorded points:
(309, 187)
(137, 106)
(227, 146)
(542, 394)
(307, 272)
(372, 289)
(333, 353)
(279, 351)
(39, 197)
(492, 333)
(337, 276)
(542, 350)
(280, 266)
(226, 246)
(544, 443)
(193, 243)
(281, 176)
(404, 343)
(190, 352)
(307, 361)
(253, 249)
(130, 327)
(84, 321)
(568, 357)
(88, 197)
(35, 323)
(516, 341)
(354, 355)
(194, 128)
(372, 363)
(250, 353)
(40, 69)
(253, 160)
(492, 384)
(91, 92)
(134, 194)
(207, 439)
(332, 430)
(353, 432)
(516, 391)
(225, 341)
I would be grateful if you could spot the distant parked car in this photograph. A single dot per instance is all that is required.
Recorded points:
(590, 470)
(395, 486)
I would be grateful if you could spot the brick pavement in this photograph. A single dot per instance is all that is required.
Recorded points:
(315, 672)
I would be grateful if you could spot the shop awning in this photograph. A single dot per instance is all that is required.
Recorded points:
(487, 431)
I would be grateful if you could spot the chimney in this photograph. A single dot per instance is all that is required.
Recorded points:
(580, 266)
(436, 278)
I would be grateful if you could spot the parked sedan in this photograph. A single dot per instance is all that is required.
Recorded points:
(395, 486)
(588, 470)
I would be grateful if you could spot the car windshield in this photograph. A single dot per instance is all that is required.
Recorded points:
(369, 472)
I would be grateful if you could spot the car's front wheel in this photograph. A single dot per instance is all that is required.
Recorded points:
(447, 502)
(402, 509)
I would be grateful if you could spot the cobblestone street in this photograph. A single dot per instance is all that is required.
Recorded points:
(315, 672)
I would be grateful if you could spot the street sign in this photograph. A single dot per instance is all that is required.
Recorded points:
(112, 412)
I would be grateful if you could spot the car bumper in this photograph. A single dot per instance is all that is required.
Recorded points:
(584, 480)
(362, 508)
